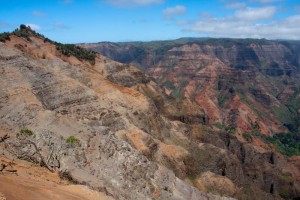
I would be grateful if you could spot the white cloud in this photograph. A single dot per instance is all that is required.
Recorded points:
(256, 13)
(34, 27)
(177, 10)
(38, 14)
(235, 5)
(133, 3)
(232, 27)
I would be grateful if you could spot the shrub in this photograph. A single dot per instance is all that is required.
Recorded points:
(287, 178)
(78, 52)
(256, 134)
(230, 130)
(219, 125)
(72, 140)
(248, 137)
(4, 36)
(221, 100)
(25, 132)
(23, 26)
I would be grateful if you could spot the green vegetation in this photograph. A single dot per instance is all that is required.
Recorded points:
(4, 36)
(286, 143)
(162, 46)
(293, 107)
(169, 85)
(284, 193)
(177, 93)
(25, 32)
(248, 137)
(228, 129)
(192, 178)
(219, 125)
(256, 134)
(25, 132)
(228, 42)
(221, 100)
(72, 140)
(78, 52)
(159, 47)
(282, 113)
(287, 178)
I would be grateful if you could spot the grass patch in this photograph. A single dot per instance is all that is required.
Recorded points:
(72, 140)
(25, 132)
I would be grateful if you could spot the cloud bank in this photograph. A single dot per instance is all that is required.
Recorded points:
(243, 21)
(253, 14)
(287, 28)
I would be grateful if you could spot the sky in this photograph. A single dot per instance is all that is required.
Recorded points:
(79, 21)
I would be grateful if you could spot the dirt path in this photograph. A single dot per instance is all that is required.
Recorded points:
(35, 183)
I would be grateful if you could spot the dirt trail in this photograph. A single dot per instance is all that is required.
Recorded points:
(36, 183)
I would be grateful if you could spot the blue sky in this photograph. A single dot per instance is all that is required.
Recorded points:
(75, 21)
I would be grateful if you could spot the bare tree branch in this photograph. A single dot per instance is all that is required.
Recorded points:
(5, 137)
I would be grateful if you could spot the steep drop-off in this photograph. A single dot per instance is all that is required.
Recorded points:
(108, 126)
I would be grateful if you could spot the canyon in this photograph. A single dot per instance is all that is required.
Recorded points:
(161, 135)
(245, 84)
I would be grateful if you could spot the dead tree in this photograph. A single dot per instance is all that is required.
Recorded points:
(44, 149)
(3, 167)
(5, 137)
